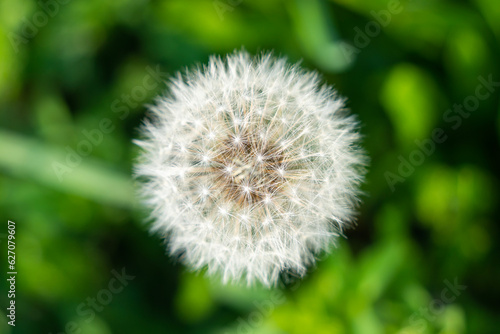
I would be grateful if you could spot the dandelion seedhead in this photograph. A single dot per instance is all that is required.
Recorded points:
(251, 168)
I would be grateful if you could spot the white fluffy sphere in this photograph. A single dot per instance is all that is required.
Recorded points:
(250, 167)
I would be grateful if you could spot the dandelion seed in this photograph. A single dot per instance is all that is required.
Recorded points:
(250, 158)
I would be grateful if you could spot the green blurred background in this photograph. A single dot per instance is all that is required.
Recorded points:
(72, 68)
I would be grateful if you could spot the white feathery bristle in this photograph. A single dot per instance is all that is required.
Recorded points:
(251, 167)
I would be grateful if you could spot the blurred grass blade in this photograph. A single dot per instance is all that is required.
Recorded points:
(28, 158)
(318, 35)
